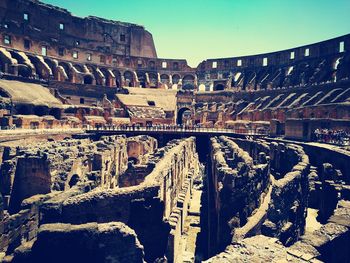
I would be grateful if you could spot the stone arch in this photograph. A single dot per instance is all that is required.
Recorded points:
(41, 67)
(188, 86)
(129, 78)
(302, 74)
(188, 82)
(142, 78)
(249, 80)
(152, 64)
(24, 71)
(16, 56)
(100, 77)
(109, 78)
(153, 80)
(165, 78)
(8, 64)
(91, 69)
(79, 68)
(237, 76)
(96, 78)
(343, 69)
(51, 64)
(180, 113)
(176, 78)
(25, 67)
(118, 78)
(66, 68)
(188, 78)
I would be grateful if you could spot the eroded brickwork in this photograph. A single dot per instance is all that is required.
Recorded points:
(97, 198)
(156, 206)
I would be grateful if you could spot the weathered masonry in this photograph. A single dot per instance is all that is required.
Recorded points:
(89, 198)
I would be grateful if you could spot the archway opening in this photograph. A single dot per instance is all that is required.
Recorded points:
(79, 68)
(152, 80)
(88, 79)
(188, 82)
(176, 79)
(129, 79)
(164, 78)
(66, 69)
(108, 78)
(117, 75)
(183, 116)
(24, 71)
(73, 180)
(142, 79)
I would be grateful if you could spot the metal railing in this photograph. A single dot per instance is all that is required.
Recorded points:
(177, 129)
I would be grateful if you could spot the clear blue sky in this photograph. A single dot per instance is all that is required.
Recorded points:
(200, 29)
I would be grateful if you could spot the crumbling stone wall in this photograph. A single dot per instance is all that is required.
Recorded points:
(110, 160)
(140, 146)
(58, 165)
(155, 207)
(49, 173)
(328, 244)
(332, 239)
(287, 207)
(140, 149)
(7, 175)
(253, 147)
(238, 186)
(246, 204)
(91, 242)
(21, 227)
(287, 210)
(340, 159)
(32, 177)
(282, 158)
(134, 175)
(327, 186)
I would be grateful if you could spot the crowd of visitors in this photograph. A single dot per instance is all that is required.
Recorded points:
(178, 127)
(341, 137)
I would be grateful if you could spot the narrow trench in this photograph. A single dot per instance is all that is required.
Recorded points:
(205, 242)
(208, 243)
(200, 239)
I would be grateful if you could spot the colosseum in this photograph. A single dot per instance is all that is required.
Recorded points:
(109, 153)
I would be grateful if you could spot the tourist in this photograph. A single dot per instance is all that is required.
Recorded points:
(340, 136)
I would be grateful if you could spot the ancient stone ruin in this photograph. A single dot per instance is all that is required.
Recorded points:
(88, 199)
(109, 153)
